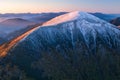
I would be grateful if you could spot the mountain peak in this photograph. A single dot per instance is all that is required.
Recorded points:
(92, 31)
(70, 17)
(75, 42)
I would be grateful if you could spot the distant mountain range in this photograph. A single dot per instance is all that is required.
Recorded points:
(73, 46)
(19, 15)
(29, 16)
(10, 26)
(15, 23)
(103, 16)
(106, 17)
(111, 18)
(24, 19)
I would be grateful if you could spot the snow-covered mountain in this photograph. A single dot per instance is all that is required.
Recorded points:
(70, 46)
(69, 27)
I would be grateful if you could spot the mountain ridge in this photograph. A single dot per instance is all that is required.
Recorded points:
(89, 26)
(68, 50)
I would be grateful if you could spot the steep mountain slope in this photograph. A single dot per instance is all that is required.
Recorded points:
(116, 21)
(73, 46)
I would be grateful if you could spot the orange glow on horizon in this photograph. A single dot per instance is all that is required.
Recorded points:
(37, 6)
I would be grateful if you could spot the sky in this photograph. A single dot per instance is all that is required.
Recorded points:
(37, 6)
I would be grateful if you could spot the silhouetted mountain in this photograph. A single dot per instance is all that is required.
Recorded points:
(116, 21)
(73, 46)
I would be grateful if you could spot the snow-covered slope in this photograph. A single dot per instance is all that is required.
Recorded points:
(71, 42)
(74, 29)
(69, 17)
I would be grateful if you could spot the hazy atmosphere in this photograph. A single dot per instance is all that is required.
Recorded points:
(35, 6)
(59, 40)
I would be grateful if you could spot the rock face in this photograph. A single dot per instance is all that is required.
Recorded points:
(116, 21)
(73, 46)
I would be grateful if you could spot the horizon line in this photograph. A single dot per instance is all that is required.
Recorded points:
(55, 12)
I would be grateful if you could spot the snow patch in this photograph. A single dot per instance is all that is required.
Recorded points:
(70, 17)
